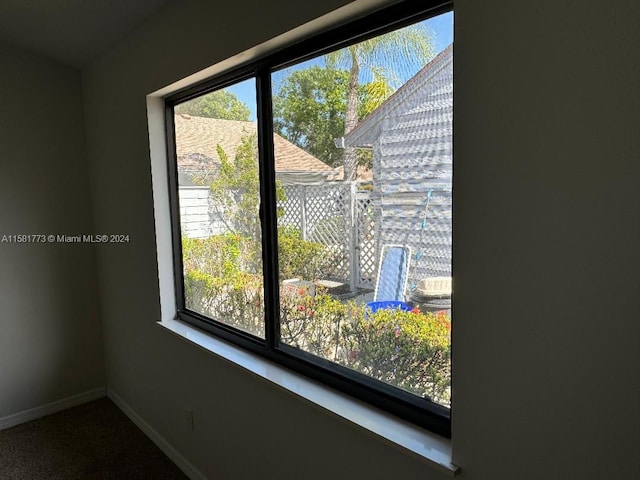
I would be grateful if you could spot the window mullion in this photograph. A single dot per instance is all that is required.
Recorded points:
(176, 233)
(268, 209)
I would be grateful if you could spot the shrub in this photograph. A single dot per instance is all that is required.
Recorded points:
(312, 323)
(223, 277)
(221, 255)
(300, 258)
(411, 350)
(235, 299)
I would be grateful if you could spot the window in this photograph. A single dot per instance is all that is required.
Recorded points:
(311, 205)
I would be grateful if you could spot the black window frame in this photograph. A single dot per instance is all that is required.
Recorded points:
(405, 405)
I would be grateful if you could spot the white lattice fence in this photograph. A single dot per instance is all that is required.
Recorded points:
(333, 215)
(365, 240)
(322, 213)
(352, 224)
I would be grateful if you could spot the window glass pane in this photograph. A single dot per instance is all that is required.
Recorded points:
(216, 146)
(364, 168)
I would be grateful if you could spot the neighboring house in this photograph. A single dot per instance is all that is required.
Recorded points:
(411, 138)
(197, 141)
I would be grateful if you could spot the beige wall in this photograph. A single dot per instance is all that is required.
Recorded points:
(50, 333)
(547, 239)
(546, 359)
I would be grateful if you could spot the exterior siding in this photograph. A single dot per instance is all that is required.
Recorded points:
(411, 139)
(197, 217)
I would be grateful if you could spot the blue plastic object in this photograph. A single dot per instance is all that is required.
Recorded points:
(389, 305)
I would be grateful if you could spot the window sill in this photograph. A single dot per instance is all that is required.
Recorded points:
(426, 446)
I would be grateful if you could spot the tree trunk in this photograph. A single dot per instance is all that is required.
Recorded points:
(351, 118)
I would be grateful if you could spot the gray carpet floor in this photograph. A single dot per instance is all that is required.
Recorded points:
(89, 442)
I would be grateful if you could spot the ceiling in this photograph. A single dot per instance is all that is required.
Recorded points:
(72, 32)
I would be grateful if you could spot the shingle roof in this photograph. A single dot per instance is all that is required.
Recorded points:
(198, 137)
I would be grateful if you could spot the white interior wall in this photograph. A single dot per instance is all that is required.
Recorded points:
(546, 362)
(50, 332)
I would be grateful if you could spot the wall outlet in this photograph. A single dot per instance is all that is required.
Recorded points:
(188, 419)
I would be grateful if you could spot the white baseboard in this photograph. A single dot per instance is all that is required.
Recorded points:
(189, 470)
(53, 407)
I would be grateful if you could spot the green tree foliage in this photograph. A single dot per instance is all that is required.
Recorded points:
(309, 110)
(236, 188)
(220, 104)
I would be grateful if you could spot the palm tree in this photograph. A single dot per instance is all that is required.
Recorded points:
(410, 47)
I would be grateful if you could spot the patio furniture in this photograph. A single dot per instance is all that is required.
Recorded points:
(391, 282)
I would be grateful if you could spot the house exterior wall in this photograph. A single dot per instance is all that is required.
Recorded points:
(412, 165)
(198, 218)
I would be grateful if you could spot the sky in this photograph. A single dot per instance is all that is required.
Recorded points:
(440, 27)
